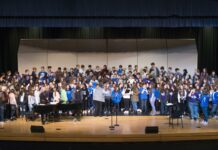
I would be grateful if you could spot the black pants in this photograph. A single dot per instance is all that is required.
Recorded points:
(98, 108)
(85, 103)
(13, 111)
(1, 112)
(107, 104)
(126, 103)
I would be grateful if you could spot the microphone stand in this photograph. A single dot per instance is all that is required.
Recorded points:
(111, 126)
(117, 125)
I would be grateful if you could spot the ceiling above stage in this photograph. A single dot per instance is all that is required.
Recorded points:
(102, 45)
(108, 13)
(110, 8)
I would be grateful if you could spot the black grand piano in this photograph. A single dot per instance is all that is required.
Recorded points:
(52, 110)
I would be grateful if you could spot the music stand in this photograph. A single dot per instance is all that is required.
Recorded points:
(170, 108)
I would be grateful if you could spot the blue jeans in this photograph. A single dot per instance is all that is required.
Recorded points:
(22, 109)
(30, 107)
(193, 106)
(214, 110)
(205, 112)
(152, 102)
(163, 107)
(144, 106)
(1, 112)
(90, 102)
(134, 105)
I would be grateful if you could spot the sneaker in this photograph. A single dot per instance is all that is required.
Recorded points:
(202, 122)
(205, 123)
(126, 112)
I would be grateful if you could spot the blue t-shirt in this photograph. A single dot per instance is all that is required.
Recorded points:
(42, 75)
(116, 97)
(69, 95)
(193, 98)
(94, 83)
(90, 90)
(163, 96)
(204, 100)
(143, 93)
(120, 71)
(115, 80)
(215, 98)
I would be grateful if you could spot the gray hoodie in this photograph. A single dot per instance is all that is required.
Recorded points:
(98, 94)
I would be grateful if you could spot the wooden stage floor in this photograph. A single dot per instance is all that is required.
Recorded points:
(96, 129)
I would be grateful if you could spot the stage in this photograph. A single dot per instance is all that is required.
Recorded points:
(96, 129)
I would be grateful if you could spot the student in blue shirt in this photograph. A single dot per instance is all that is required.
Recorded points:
(42, 75)
(120, 70)
(69, 94)
(143, 98)
(164, 95)
(50, 74)
(193, 104)
(204, 103)
(116, 96)
(214, 111)
(90, 96)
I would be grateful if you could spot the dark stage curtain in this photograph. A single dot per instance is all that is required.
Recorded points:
(108, 13)
(109, 8)
(206, 40)
(207, 45)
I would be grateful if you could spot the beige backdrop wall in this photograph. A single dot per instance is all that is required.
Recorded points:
(112, 52)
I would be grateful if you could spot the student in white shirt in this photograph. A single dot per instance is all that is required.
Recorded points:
(13, 104)
(37, 95)
(56, 96)
(31, 101)
(127, 92)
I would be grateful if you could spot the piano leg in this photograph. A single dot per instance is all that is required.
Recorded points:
(43, 118)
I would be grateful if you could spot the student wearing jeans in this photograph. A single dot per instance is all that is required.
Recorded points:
(193, 104)
(135, 98)
(143, 98)
(116, 96)
(164, 99)
(90, 96)
(152, 100)
(204, 102)
(23, 99)
(214, 111)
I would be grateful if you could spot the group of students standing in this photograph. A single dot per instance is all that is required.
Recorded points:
(103, 91)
